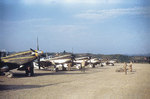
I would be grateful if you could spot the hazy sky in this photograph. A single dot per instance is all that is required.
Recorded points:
(94, 26)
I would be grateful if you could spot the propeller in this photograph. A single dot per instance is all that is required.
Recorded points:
(89, 58)
(38, 58)
(72, 57)
(32, 50)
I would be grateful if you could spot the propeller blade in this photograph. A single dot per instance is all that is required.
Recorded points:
(32, 50)
(37, 44)
(73, 57)
(38, 59)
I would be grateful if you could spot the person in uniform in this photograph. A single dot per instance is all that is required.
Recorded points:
(83, 66)
(125, 68)
(69, 66)
(130, 66)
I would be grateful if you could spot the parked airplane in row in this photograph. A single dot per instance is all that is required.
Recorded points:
(66, 61)
(21, 60)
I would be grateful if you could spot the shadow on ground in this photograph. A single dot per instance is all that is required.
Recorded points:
(18, 87)
(20, 75)
(71, 72)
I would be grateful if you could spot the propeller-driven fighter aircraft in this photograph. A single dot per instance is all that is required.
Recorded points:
(93, 62)
(78, 61)
(22, 61)
(109, 62)
(62, 60)
(89, 61)
(57, 61)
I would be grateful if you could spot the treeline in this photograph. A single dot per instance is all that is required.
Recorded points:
(119, 58)
(126, 58)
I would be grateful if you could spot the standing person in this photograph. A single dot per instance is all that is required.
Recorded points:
(83, 66)
(69, 66)
(125, 68)
(130, 66)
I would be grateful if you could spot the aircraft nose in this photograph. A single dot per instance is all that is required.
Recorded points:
(40, 52)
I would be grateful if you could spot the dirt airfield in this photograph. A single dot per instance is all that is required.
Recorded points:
(95, 83)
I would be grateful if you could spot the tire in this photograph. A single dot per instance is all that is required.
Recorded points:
(93, 65)
(56, 69)
(63, 68)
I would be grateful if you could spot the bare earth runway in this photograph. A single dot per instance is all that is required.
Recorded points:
(97, 83)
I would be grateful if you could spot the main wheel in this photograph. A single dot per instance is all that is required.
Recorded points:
(56, 69)
(93, 66)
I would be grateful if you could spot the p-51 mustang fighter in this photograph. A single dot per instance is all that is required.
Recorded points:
(78, 61)
(93, 62)
(62, 61)
(89, 61)
(22, 61)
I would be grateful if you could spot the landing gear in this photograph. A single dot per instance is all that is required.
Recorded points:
(102, 65)
(93, 66)
(111, 64)
(63, 68)
(29, 69)
(55, 69)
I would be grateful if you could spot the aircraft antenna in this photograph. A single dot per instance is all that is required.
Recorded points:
(37, 44)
